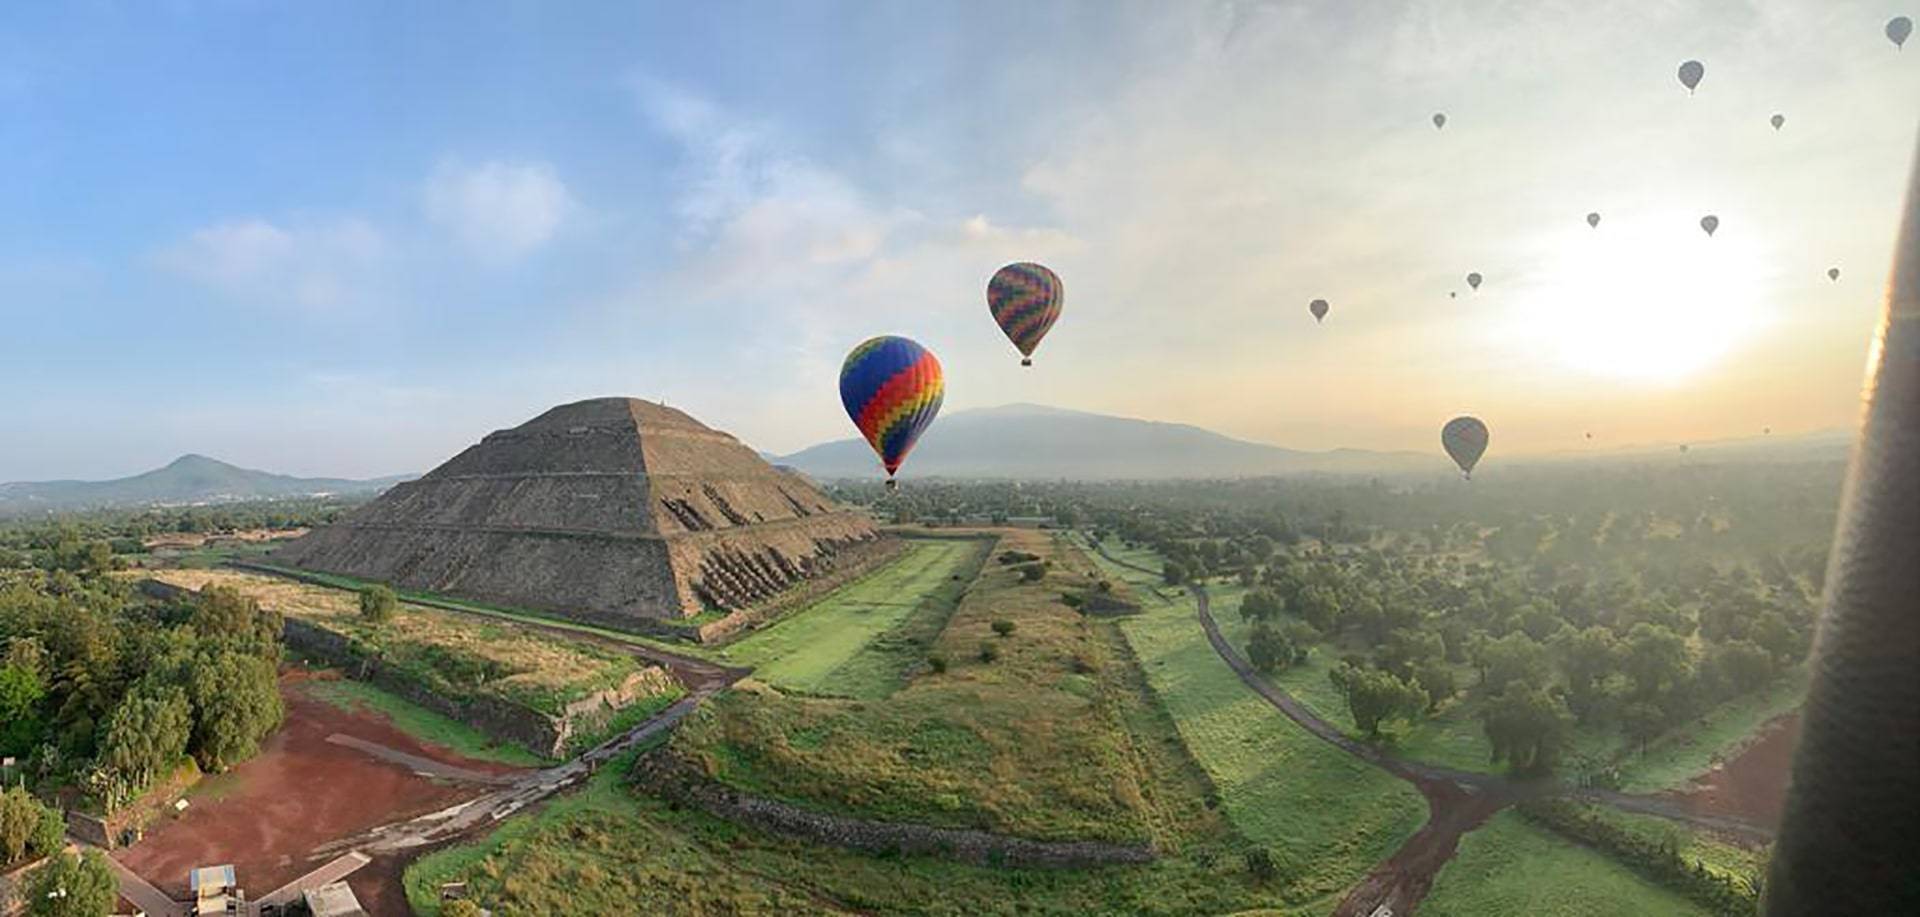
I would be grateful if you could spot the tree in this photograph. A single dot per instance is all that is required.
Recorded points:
(1588, 658)
(1656, 660)
(1526, 726)
(1375, 695)
(1512, 658)
(1269, 649)
(1741, 666)
(1174, 573)
(224, 613)
(378, 603)
(70, 886)
(236, 703)
(1003, 626)
(146, 734)
(21, 692)
(1435, 678)
(1260, 605)
(28, 830)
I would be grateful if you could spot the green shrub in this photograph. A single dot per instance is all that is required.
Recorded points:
(937, 662)
(1003, 626)
(378, 603)
(987, 652)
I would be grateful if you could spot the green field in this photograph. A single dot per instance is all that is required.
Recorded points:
(1672, 761)
(1510, 867)
(419, 722)
(1326, 816)
(859, 640)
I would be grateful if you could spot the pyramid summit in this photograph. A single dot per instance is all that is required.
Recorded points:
(614, 510)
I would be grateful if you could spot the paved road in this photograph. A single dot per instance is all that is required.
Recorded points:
(1458, 801)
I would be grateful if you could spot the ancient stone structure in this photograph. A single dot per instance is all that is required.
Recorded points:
(614, 510)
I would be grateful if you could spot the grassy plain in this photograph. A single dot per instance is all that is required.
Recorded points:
(420, 722)
(860, 640)
(1326, 817)
(1511, 867)
(1030, 742)
(455, 655)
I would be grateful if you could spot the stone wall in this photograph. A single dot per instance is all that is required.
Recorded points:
(661, 774)
(848, 564)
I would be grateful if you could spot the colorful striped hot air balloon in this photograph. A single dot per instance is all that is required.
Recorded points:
(892, 389)
(1025, 300)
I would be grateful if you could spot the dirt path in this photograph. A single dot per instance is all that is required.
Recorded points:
(423, 766)
(1457, 801)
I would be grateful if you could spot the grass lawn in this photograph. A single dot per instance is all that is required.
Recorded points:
(859, 640)
(1510, 867)
(419, 722)
(1032, 742)
(1326, 816)
(1672, 761)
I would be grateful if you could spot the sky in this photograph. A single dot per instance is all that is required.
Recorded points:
(351, 238)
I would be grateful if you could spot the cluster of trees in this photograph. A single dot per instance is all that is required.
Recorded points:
(107, 691)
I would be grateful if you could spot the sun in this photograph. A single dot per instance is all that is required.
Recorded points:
(1651, 302)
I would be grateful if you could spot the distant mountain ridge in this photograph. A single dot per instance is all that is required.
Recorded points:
(1034, 441)
(187, 480)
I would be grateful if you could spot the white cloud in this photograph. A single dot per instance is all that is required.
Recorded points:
(304, 263)
(500, 210)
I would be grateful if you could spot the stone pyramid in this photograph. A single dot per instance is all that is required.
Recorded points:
(613, 510)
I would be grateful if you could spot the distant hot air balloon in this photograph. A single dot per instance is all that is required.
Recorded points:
(1439, 120)
(1319, 309)
(1690, 74)
(1025, 300)
(1451, 294)
(891, 388)
(1898, 28)
(1465, 439)
(1473, 280)
(1593, 220)
(1778, 121)
(1833, 273)
(1589, 435)
(1683, 447)
(1709, 223)
(1768, 431)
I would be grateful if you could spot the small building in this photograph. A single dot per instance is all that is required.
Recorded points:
(215, 891)
(334, 900)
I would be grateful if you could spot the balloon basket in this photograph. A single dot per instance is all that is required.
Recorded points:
(1027, 361)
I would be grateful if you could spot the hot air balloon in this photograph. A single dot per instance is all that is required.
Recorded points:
(1683, 447)
(1589, 435)
(1833, 273)
(1898, 28)
(1709, 223)
(1690, 74)
(1778, 121)
(1319, 309)
(892, 388)
(1439, 120)
(1465, 439)
(1025, 300)
(1593, 220)
(1767, 431)
(1473, 280)
(1451, 294)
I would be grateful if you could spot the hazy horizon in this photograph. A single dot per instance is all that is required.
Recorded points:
(294, 241)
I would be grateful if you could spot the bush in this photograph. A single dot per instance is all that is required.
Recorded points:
(937, 662)
(28, 830)
(1260, 864)
(70, 886)
(1003, 626)
(1657, 860)
(987, 651)
(1032, 572)
(378, 603)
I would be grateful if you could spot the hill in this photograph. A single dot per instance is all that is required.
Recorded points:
(1039, 442)
(187, 480)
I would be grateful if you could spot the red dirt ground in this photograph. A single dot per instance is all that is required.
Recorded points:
(266, 815)
(1753, 785)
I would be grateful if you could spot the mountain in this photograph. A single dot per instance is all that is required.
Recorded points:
(187, 480)
(1038, 442)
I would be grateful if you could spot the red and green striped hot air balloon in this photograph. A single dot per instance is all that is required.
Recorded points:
(1025, 300)
(891, 387)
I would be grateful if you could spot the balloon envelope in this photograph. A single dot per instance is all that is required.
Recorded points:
(1778, 120)
(1025, 300)
(1690, 74)
(1465, 439)
(1833, 273)
(892, 388)
(1593, 220)
(1473, 280)
(1439, 120)
(1898, 28)
(1709, 223)
(1319, 309)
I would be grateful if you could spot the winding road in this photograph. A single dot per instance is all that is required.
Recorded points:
(1458, 801)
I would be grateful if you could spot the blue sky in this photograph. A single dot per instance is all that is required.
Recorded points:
(351, 238)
